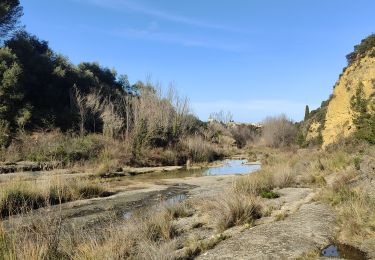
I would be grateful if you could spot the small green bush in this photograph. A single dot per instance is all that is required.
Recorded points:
(364, 115)
(269, 195)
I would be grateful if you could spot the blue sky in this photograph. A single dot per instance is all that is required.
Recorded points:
(252, 57)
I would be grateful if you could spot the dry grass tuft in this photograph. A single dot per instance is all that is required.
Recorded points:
(156, 226)
(146, 235)
(283, 176)
(356, 211)
(179, 210)
(281, 216)
(200, 150)
(233, 209)
(197, 247)
(19, 196)
(254, 184)
(266, 180)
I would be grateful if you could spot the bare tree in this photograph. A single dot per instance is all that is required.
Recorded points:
(95, 105)
(222, 117)
(113, 121)
(182, 109)
(278, 131)
(126, 105)
(80, 102)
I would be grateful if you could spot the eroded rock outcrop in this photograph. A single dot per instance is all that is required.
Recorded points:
(339, 116)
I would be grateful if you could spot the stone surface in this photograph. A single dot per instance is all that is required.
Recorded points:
(310, 228)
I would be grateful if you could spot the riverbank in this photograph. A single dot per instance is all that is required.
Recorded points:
(214, 217)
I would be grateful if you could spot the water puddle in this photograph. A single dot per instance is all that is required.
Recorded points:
(126, 215)
(170, 201)
(343, 251)
(175, 199)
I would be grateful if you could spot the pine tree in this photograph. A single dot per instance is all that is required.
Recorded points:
(307, 112)
(364, 115)
(10, 14)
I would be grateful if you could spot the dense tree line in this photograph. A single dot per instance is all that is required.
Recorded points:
(40, 89)
(36, 84)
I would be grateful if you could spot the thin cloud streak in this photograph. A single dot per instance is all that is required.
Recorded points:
(161, 14)
(175, 39)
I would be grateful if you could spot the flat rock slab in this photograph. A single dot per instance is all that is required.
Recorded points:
(312, 227)
(28, 166)
(93, 212)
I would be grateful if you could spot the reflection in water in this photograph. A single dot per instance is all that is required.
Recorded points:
(175, 199)
(172, 198)
(233, 167)
(331, 251)
(170, 201)
(126, 215)
(343, 251)
(228, 167)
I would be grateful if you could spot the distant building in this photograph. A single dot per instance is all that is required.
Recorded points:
(255, 125)
(235, 124)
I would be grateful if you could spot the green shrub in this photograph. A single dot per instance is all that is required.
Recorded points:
(361, 49)
(269, 195)
(4, 133)
(364, 115)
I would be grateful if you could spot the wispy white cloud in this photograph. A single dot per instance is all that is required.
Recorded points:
(252, 110)
(127, 5)
(176, 39)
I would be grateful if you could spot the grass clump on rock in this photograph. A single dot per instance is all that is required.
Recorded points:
(18, 198)
(21, 197)
(234, 209)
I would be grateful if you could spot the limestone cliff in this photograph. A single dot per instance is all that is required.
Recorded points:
(334, 118)
(339, 117)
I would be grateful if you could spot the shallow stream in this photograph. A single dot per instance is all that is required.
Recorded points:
(227, 167)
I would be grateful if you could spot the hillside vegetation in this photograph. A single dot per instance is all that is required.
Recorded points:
(53, 110)
(350, 109)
